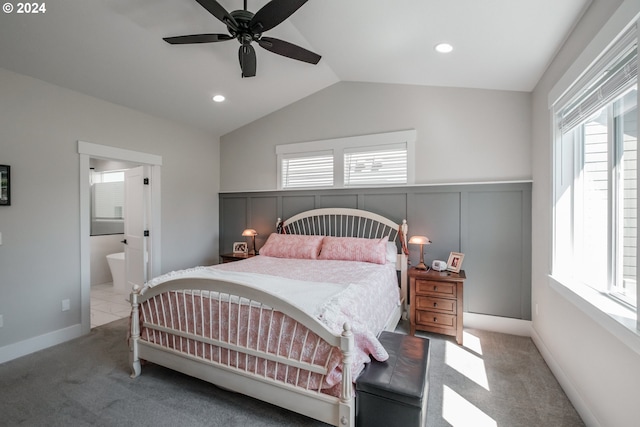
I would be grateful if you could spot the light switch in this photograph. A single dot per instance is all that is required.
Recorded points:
(0, 238)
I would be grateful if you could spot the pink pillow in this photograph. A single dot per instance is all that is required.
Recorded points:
(355, 249)
(292, 246)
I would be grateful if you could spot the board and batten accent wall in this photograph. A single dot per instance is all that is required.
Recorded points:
(489, 223)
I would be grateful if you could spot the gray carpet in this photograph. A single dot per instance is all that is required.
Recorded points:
(495, 380)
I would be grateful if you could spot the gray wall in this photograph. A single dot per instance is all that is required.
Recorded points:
(40, 252)
(489, 223)
(463, 135)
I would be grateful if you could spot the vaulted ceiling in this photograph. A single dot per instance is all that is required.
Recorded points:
(113, 50)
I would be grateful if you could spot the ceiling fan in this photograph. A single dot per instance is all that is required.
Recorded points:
(247, 27)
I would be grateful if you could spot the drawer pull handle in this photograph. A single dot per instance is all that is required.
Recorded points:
(435, 319)
(435, 304)
(435, 288)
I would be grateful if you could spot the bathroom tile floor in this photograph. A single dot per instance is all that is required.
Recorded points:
(108, 304)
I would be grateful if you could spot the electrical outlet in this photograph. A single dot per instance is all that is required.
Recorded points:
(66, 305)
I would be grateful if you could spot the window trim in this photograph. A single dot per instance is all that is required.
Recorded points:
(338, 147)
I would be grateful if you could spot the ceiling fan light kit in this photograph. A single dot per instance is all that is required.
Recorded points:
(247, 27)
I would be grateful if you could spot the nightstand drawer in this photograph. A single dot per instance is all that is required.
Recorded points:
(431, 318)
(441, 305)
(430, 287)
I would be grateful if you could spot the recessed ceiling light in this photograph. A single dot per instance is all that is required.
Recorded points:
(444, 47)
(218, 98)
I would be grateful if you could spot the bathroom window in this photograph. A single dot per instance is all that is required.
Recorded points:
(107, 203)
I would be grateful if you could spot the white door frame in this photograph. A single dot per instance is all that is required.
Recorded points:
(87, 151)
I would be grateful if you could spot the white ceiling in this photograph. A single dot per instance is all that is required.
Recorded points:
(113, 50)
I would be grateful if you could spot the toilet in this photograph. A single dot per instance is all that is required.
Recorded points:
(116, 265)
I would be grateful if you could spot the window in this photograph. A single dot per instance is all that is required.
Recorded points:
(596, 179)
(307, 170)
(368, 160)
(387, 166)
(107, 203)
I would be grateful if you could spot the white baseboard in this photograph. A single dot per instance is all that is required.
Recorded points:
(566, 384)
(505, 325)
(31, 345)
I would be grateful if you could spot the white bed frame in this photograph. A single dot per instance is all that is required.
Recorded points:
(338, 411)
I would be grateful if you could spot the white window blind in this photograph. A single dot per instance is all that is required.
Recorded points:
(364, 160)
(307, 170)
(613, 81)
(380, 166)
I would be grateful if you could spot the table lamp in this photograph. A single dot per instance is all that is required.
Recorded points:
(420, 240)
(253, 233)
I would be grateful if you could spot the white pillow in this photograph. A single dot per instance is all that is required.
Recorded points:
(392, 252)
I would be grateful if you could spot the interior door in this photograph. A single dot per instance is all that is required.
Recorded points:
(136, 194)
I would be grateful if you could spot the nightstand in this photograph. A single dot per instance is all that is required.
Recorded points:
(436, 302)
(234, 257)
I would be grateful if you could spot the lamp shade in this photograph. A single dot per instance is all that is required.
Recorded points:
(419, 240)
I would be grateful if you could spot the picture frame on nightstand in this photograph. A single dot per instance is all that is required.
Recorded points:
(240, 247)
(455, 262)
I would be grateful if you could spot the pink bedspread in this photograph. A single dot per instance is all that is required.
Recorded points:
(362, 295)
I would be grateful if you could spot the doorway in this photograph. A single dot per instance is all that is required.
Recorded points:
(153, 163)
(109, 294)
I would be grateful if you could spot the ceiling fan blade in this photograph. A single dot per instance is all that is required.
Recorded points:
(247, 57)
(198, 38)
(219, 12)
(289, 50)
(273, 13)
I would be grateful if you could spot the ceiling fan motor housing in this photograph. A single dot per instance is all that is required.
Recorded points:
(244, 33)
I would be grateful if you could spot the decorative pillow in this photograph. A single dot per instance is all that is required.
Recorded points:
(355, 249)
(292, 246)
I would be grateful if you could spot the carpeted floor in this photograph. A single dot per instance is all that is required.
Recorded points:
(494, 380)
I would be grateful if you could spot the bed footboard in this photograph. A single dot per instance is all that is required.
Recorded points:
(246, 340)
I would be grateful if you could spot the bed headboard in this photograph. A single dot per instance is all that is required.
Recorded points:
(346, 222)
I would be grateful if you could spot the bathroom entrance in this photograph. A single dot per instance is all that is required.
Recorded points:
(118, 220)
(120, 214)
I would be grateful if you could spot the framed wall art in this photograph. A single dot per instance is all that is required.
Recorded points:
(5, 185)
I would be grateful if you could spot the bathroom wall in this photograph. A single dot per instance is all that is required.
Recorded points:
(101, 246)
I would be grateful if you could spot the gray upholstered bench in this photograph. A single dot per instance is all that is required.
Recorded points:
(394, 393)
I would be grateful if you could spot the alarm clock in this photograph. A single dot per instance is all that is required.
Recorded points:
(438, 265)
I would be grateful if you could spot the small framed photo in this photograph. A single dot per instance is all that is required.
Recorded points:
(455, 262)
(5, 185)
(240, 248)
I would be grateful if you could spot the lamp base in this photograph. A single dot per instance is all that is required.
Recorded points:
(422, 266)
